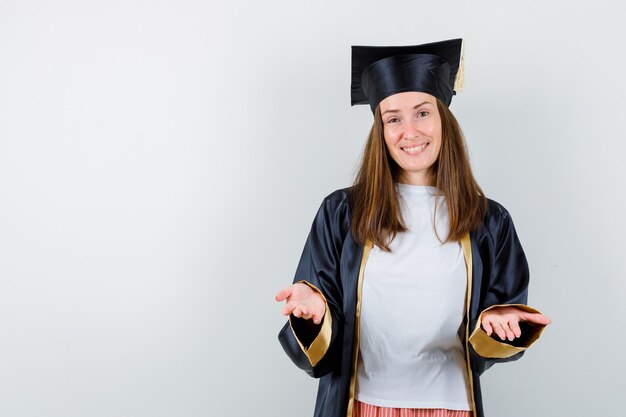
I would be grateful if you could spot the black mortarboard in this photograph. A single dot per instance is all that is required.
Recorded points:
(380, 71)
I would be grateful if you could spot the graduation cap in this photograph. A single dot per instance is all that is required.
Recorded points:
(380, 71)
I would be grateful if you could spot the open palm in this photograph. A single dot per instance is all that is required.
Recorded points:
(302, 301)
(504, 321)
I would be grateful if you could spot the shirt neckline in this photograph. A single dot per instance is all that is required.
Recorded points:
(416, 189)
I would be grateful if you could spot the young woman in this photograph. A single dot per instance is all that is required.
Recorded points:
(411, 282)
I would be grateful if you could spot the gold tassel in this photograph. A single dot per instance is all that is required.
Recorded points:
(460, 74)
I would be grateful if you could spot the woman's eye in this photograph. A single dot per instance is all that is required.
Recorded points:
(423, 113)
(393, 120)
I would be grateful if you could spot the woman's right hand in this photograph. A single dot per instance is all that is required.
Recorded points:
(302, 301)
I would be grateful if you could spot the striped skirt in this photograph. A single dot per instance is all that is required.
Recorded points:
(366, 410)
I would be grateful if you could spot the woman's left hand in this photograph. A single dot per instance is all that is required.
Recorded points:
(504, 321)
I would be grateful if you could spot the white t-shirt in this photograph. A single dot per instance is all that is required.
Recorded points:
(412, 308)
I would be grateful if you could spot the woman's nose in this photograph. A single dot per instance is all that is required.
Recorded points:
(411, 130)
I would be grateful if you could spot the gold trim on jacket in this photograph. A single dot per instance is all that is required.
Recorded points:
(357, 323)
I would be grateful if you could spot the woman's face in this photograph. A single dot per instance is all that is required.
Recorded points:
(412, 130)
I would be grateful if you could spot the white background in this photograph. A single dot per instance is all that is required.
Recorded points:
(161, 163)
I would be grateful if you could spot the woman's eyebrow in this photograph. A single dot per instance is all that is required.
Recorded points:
(414, 107)
(421, 104)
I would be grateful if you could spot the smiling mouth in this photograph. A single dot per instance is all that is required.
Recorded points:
(415, 150)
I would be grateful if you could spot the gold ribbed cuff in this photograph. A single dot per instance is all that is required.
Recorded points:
(487, 347)
(318, 348)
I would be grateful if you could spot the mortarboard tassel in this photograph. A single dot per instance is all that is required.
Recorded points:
(460, 75)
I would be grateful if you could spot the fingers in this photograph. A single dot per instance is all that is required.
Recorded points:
(288, 309)
(535, 318)
(499, 329)
(304, 312)
(304, 303)
(516, 329)
(317, 317)
(296, 310)
(487, 327)
(283, 294)
(509, 332)
(504, 330)
(504, 321)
